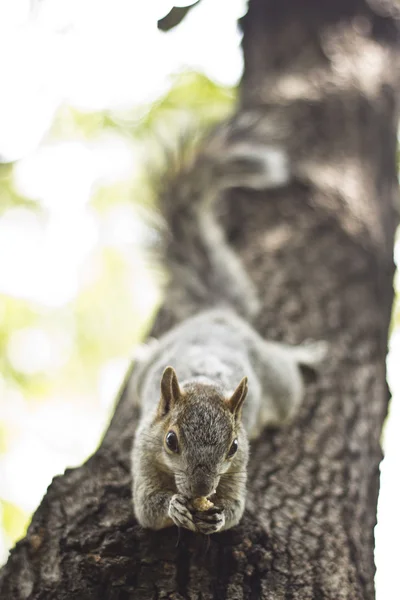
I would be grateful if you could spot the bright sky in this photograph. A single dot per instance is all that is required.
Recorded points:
(103, 54)
(98, 54)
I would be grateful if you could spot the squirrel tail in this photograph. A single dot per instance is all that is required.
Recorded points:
(310, 354)
(204, 269)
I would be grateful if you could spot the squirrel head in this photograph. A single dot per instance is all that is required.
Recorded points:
(203, 436)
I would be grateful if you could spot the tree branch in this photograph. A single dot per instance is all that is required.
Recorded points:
(175, 16)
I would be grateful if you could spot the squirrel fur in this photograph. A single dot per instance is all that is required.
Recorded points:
(212, 383)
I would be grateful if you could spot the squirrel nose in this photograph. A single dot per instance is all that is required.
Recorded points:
(201, 488)
(203, 483)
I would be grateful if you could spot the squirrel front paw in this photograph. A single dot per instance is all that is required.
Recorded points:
(209, 521)
(179, 512)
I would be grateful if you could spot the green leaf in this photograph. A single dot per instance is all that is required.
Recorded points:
(15, 520)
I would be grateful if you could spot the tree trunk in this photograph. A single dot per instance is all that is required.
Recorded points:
(321, 80)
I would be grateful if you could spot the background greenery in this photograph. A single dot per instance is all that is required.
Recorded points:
(75, 354)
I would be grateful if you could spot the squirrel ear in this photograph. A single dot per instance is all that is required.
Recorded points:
(235, 402)
(170, 391)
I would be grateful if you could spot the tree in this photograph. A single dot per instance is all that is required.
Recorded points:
(321, 79)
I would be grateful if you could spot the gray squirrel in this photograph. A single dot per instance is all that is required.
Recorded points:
(211, 383)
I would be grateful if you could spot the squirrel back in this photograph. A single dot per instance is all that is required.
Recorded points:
(191, 443)
(204, 270)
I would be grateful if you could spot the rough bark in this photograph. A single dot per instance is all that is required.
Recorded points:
(321, 77)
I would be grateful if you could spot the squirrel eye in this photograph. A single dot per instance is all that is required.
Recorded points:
(171, 441)
(233, 448)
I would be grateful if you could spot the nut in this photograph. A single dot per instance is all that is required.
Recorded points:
(202, 504)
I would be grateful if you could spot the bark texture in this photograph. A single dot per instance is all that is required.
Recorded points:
(321, 79)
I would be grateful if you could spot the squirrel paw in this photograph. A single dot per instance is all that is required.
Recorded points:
(179, 512)
(209, 521)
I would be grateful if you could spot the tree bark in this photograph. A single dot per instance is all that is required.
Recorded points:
(321, 80)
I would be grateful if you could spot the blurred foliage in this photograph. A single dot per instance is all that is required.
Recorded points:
(14, 520)
(9, 197)
(396, 308)
(192, 96)
(112, 310)
(15, 314)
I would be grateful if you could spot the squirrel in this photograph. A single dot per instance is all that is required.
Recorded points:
(191, 447)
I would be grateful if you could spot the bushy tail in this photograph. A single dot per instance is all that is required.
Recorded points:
(204, 270)
(311, 354)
